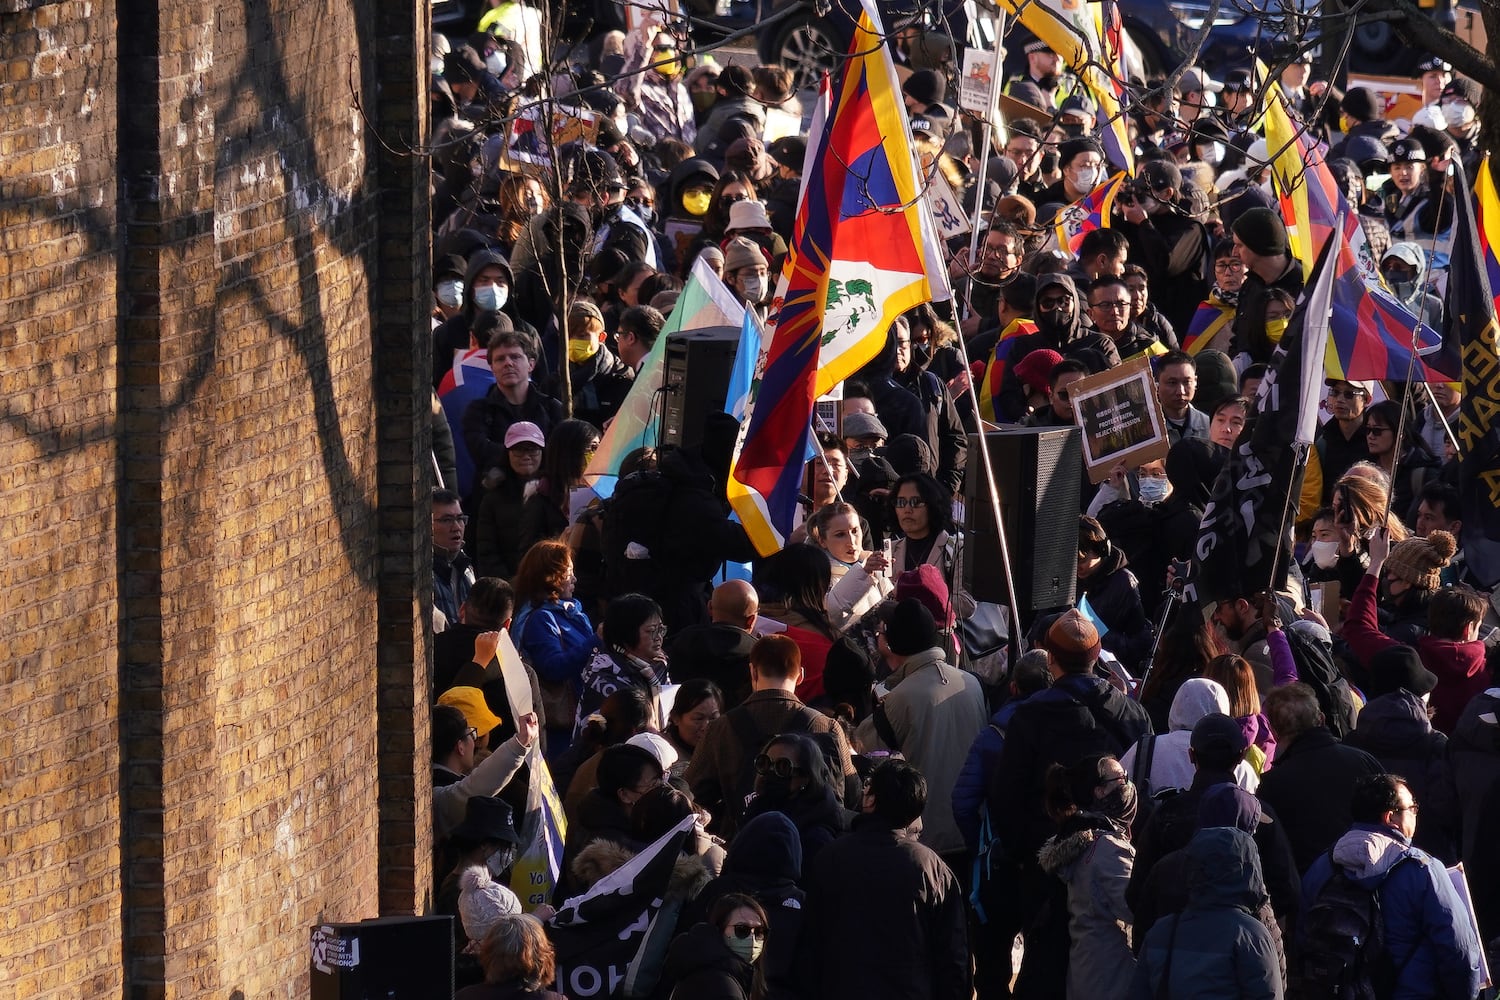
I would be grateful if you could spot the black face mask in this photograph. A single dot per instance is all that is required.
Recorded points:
(773, 789)
(1047, 81)
(1056, 321)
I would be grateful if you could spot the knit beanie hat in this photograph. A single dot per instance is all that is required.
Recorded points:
(1361, 103)
(909, 455)
(1262, 231)
(1420, 561)
(911, 628)
(482, 901)
(1035, 370)
(740, 252)
(1073, 641)
(1077, 147)
(926, 584)
(925, 87)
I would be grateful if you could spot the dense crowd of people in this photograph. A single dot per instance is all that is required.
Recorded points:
(1155, 799)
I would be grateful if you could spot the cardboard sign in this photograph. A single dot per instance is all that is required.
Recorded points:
(534, 134)
(1402, 95)
(513, 672)
(977, 88)
(1120, 417)
(947, 209)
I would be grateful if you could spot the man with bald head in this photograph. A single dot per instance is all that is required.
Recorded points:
(720, 650)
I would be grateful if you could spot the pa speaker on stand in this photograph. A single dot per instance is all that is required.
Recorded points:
(1039, 476)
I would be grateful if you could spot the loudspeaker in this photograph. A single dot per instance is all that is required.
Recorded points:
(696, 381)
(404, 958)
(1039, 475)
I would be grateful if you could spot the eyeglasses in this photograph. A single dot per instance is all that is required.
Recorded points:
(655, 630)
(730, 199)
(743, 931)
(780, 768)
(640, 202)
(1228, 265)
(471, 733)
(1413, 808)
(664, 48)
(458, 519)
(1345, 393)
(903, 503)
(1112, 306)
(995, 253)
(1061, 394)
(1048, 305)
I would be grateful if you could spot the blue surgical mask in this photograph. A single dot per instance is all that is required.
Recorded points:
(491, 298)
(450, 294)
(1154, 489)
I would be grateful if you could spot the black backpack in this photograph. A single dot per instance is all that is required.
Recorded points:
(1317, 669)
(1343, 954)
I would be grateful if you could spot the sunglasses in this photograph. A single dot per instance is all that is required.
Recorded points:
(730, 199)
(782, 768)
(1345, 393)
(743, 931)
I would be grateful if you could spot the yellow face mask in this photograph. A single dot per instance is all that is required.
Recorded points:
(1274, 329)
(696, 202)
(670, 69)
(580, 351)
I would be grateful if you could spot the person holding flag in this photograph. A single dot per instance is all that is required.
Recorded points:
(1167, 241)
(863, 252)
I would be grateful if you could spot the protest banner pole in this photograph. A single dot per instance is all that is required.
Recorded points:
(823, 456)
(1293, 485)
(987, 133)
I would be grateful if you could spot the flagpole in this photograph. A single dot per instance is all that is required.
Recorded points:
(987, 133)
(838, 490)
(1411, 360)
(1286, 508)
(1013, 640)
(1447, 427)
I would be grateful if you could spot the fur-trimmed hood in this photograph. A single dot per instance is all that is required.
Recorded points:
(603, 857)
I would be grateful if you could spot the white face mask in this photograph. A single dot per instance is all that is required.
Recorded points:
(435, 65)
(491, 298)
(1086, 179)
(754, 288)
(1212, 154)
(495, 63)
(1325, 554)
(499, 861)
(450, 294)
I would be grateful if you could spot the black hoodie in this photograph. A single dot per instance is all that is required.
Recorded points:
(555, 244)
(453, 335)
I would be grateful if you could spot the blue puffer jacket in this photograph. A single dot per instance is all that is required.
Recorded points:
(1429, 937)
(1217, 947)
(556, 639)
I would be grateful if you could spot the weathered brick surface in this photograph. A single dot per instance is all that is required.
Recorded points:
(60, 844)
(212, 402)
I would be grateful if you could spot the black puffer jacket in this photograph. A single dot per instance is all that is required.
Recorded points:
(765, 861)
(1474, 750)
(1394, 729)
(703, 967)
(1115, 596)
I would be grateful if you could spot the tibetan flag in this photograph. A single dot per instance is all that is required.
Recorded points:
(1255, 497)
(858, 260)
(1469, 315)
(1087, 214)
(1310, 198)
(1488, 203)
(1370, 333)
(992, 375)
(705, 302)
(1082, 37)
(1213, 317)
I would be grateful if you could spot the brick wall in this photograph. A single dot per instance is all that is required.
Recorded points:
(211, 589)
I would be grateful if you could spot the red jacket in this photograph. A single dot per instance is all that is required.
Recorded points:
(1460, 666)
